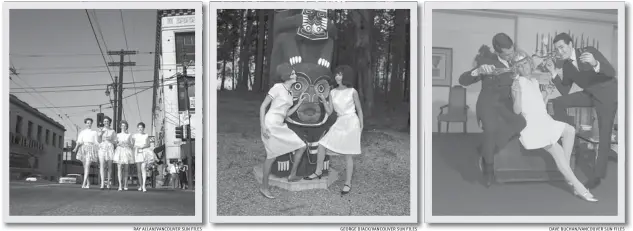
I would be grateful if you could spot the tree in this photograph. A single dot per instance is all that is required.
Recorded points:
(363, 22)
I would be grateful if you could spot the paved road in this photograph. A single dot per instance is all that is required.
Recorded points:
(458, 190)
(42, 199)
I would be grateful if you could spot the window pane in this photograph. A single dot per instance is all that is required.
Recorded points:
(47, 135)
(185, 46)
(30, 130)
(18, 125)
(39, 133)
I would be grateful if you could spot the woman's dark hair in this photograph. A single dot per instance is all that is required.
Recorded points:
(107, 118)
(348, 75)
(141, 124)
(284, 71)
(125, 122)
(88, 119)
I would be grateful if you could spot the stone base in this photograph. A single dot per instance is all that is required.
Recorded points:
(282, 182)
(516, 164)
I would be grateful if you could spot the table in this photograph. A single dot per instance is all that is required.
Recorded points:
(587, 137)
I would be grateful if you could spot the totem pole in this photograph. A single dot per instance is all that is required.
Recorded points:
(305, 39)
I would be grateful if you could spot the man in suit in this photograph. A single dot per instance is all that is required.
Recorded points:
(591, 71)
(494, 105)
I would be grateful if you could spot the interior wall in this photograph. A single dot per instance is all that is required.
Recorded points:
(465, 32)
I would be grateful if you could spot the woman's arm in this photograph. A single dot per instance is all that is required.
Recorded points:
(262, 110)
(516, 96)
(359, 108)
(328, 104)
(294, 109)
(147, 145)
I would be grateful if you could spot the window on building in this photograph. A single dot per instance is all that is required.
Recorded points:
(185, 47)
(54, 140)
(59, 162)
(39, 133)
(18, 125)
(29, 132)
(61, 141)
(186, 97)
(47, 136)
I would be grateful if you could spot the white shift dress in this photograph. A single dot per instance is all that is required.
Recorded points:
(344, 135)
(541, 129)
(106, 147)
(142, 155)
(281, 139)
(123, 153)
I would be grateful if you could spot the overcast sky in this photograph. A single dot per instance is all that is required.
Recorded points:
(67, 54)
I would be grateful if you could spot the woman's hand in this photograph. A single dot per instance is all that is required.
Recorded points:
(265, 132)
(322, 98)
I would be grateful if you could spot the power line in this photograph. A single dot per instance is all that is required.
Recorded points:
(76, 54)
(95, 105)
(71, 90)
(99, 44)
(83, 85)
(130, 58)
(73, 72)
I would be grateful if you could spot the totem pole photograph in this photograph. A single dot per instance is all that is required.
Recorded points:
(314, 112)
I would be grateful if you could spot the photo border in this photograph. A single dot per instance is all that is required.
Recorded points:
(428, 97)
(212, 127)
(198, 217)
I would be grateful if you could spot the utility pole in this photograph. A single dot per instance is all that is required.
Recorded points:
(188, 132)
(115, 119)
(122, 53)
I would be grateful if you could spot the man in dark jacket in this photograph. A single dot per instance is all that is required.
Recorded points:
(591, 71)
(494, 105)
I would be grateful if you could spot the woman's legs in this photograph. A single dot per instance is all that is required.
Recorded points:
(568, 138)
(297, 158)
(349, 169)
(102, 169)
(120, 175)
(126, 173)
(139, 176)
(268, 163)
(86, 182)
(144, 171)
(109, 172)
(563, 166)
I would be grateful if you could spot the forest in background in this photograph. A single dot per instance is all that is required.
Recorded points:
(380, 56)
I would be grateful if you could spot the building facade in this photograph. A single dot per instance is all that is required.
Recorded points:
(174, 103)
(36, 142)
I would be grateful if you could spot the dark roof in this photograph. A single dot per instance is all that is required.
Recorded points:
(14, 99)
(176, 12)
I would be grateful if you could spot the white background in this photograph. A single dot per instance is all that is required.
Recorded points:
(210, 72)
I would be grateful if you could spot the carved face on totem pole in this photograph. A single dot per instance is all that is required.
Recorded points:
(305, 39)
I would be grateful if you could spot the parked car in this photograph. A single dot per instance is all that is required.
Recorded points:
(35, 178)
(71, 179)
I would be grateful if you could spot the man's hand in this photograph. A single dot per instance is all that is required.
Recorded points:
(588, 58)
(485, 69)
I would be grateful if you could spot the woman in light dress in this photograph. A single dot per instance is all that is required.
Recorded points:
(123, 155)
(277, 137)
(86, 149)
(542, 131)
(106, 152)
(142, 155)
(344, 135)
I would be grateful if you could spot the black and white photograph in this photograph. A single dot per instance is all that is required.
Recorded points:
(316, 112)
(526, 101)
(102, 112)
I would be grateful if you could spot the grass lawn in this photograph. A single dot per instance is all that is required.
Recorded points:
(381, 183)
